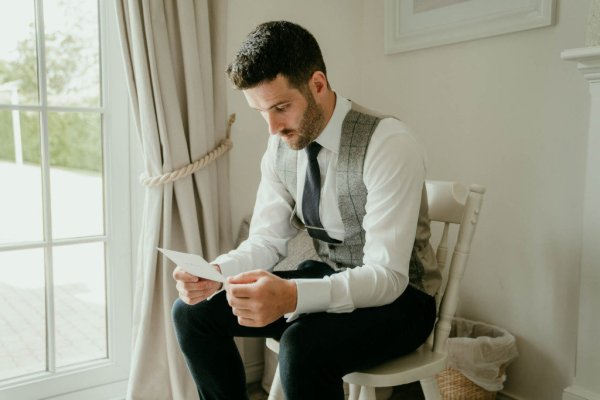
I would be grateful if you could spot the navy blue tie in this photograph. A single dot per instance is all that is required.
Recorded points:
(311, 196)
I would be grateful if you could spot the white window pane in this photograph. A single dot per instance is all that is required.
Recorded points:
(20, 175)
(72, 52)
(79, 303)
(18, 53)
(22, 314)
(76, 174)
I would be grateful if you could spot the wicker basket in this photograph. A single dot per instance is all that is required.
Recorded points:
(455, 386)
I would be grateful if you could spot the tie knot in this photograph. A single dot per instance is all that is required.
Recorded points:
(313, 150)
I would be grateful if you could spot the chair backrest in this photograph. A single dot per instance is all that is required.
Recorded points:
(452, 203)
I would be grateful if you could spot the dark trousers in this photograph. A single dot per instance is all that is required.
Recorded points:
(316, 350)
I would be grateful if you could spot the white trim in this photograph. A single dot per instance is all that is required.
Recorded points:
(507, 396)
(39, 108)
(46, 190)
(578, 393)
(588, 61)
(582, 54)
(104, 392)
(119, 280)
(55, 243)
(588, 352)
(407, 30)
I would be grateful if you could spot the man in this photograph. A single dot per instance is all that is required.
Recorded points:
(355, 180)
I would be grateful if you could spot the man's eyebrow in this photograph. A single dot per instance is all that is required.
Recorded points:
(279, 104)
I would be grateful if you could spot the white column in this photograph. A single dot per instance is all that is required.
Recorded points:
(587, 374)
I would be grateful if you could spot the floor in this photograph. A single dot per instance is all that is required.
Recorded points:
(405, 392)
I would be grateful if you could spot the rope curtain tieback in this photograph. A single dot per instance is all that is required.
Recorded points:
(224, 146)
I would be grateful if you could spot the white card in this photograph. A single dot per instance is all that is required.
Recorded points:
(194, 264)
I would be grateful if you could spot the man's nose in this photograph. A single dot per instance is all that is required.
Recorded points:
(274, 123)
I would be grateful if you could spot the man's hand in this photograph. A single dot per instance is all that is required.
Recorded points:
(192, 289)
(258, 297)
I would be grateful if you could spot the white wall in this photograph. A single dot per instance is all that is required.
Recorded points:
(504, 112)
(508, 113)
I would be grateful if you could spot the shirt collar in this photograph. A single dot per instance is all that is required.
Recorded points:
(330, 137)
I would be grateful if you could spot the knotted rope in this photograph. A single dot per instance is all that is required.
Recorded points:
(223, 147)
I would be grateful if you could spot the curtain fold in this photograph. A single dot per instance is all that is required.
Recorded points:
(173, 50)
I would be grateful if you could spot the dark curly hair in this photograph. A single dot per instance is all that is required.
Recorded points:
(273, 48)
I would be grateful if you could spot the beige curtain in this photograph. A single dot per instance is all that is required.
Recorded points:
(173, 52)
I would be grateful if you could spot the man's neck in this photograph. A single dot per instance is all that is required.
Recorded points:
(329, 105)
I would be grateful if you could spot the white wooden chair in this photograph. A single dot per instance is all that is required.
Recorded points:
(449, 203)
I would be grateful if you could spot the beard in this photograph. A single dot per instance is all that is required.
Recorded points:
(311, 125)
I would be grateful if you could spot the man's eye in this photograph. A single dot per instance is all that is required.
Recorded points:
(281, 108)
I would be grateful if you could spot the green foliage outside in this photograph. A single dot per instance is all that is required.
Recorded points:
(74, 137)
(6, 138)
(30, 137)
(75, 140)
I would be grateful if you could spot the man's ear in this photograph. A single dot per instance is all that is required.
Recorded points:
(318, 83)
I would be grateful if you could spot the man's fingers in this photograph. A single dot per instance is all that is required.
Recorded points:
(246, 318)
(253, 297)
(245, 284)
(241, 312)
(192, 298)
(192, 289)
(247, 277)
(242, 291)
(194, 292)
(180, 275)
(249, 322)
(201, 285)
(240, 302)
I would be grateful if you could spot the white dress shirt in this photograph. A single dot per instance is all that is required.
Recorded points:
(394, 173)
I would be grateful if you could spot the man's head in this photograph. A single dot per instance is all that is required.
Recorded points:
(282, 74)
(276, 48)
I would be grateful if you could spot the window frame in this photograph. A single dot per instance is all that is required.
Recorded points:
(105, 378)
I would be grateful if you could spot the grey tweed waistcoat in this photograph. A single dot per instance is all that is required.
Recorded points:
(357, 129)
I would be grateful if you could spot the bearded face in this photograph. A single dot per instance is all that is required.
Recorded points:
(292, 113)
(311, 124)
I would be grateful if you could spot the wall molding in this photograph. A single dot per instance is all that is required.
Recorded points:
(507, 396)
(588, 354)
(578, 393)
(588, 61)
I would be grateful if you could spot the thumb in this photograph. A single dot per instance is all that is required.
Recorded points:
(246, 277)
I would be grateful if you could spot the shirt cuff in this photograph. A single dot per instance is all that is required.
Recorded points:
(216, 293)
(229, 267)
(313, 295)
(227, 271)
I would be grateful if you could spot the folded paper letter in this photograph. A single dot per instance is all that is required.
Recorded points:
(194, 264)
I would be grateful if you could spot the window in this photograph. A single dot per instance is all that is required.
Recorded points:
(64, 204)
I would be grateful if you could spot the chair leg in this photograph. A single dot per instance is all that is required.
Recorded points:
(354, 392)
(276, 392)
(367, 393)
(431, 389)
